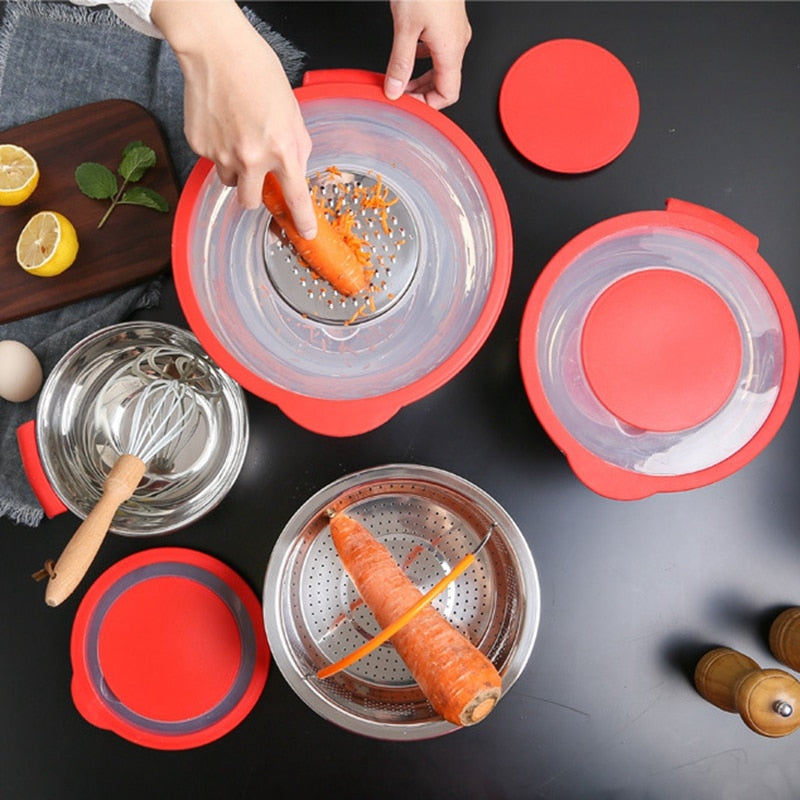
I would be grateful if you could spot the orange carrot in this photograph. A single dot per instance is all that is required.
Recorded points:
(387, 633)
(459, 681)
(328, 254)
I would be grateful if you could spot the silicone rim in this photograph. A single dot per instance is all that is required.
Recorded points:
(51, 503)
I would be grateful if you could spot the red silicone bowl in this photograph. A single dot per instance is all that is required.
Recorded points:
(659, 351)
(344, 378)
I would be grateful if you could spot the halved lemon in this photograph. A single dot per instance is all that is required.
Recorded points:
(47, 245)
(19, 174)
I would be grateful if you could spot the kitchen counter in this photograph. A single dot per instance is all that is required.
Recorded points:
(632, 593)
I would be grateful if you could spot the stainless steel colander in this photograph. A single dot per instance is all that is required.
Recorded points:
(429, 519)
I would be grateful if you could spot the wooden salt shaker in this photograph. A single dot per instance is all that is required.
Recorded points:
(784, 638)
(768, 700)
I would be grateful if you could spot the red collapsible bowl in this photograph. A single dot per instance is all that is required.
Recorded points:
(659, 351)
(337, 365)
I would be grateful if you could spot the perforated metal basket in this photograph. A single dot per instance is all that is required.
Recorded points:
(428, 519)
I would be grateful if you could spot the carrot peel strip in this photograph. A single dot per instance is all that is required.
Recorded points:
(376, 641)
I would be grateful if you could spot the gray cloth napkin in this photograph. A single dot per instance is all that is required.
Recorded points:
(55, 56)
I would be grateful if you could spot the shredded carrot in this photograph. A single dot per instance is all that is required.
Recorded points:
(359, 312)
(459, 681)
(342, 617)
(328, 254)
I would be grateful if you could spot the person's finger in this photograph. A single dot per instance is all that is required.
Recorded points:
(248, 188)
(425, 88)
(226, 175)
(299, 202)
(401, 63)
(440, 86)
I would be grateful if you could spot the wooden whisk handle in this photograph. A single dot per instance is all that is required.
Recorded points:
(81, 549)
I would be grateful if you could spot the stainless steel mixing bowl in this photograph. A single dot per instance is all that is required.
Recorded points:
(429, 519)
(81, 419)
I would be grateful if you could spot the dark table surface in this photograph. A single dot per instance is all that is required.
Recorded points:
(632, 592)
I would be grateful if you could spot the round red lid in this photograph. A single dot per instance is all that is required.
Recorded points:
(569, 105)
(661, 350)
(168, 649)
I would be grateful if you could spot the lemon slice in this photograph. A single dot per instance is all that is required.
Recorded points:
(47, 245)
(19, 175)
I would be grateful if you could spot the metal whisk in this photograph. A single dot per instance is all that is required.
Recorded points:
(160, 414)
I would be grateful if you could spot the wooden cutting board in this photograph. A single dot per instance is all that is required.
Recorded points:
(134, 243)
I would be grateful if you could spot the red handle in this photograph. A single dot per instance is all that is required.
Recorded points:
(339, 417)
(747, 240)
(32, 464)
(362, 76)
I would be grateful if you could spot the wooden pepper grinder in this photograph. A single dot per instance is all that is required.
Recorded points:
(784, 638)
(768, 700)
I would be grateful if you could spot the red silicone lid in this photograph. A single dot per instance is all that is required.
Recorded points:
(569, 105)
(168, 649)
(661, 350)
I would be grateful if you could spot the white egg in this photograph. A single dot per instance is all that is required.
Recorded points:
(20, 371)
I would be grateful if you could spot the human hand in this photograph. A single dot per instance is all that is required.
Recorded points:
(239, 108)
(435, 29)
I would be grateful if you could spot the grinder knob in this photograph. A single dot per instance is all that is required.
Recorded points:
(784, 637)
(768, 700)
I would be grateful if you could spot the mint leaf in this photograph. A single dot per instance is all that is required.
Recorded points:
(137, 158)
(144, 196)
(132, 146)
(100, 183)
(95, 180)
